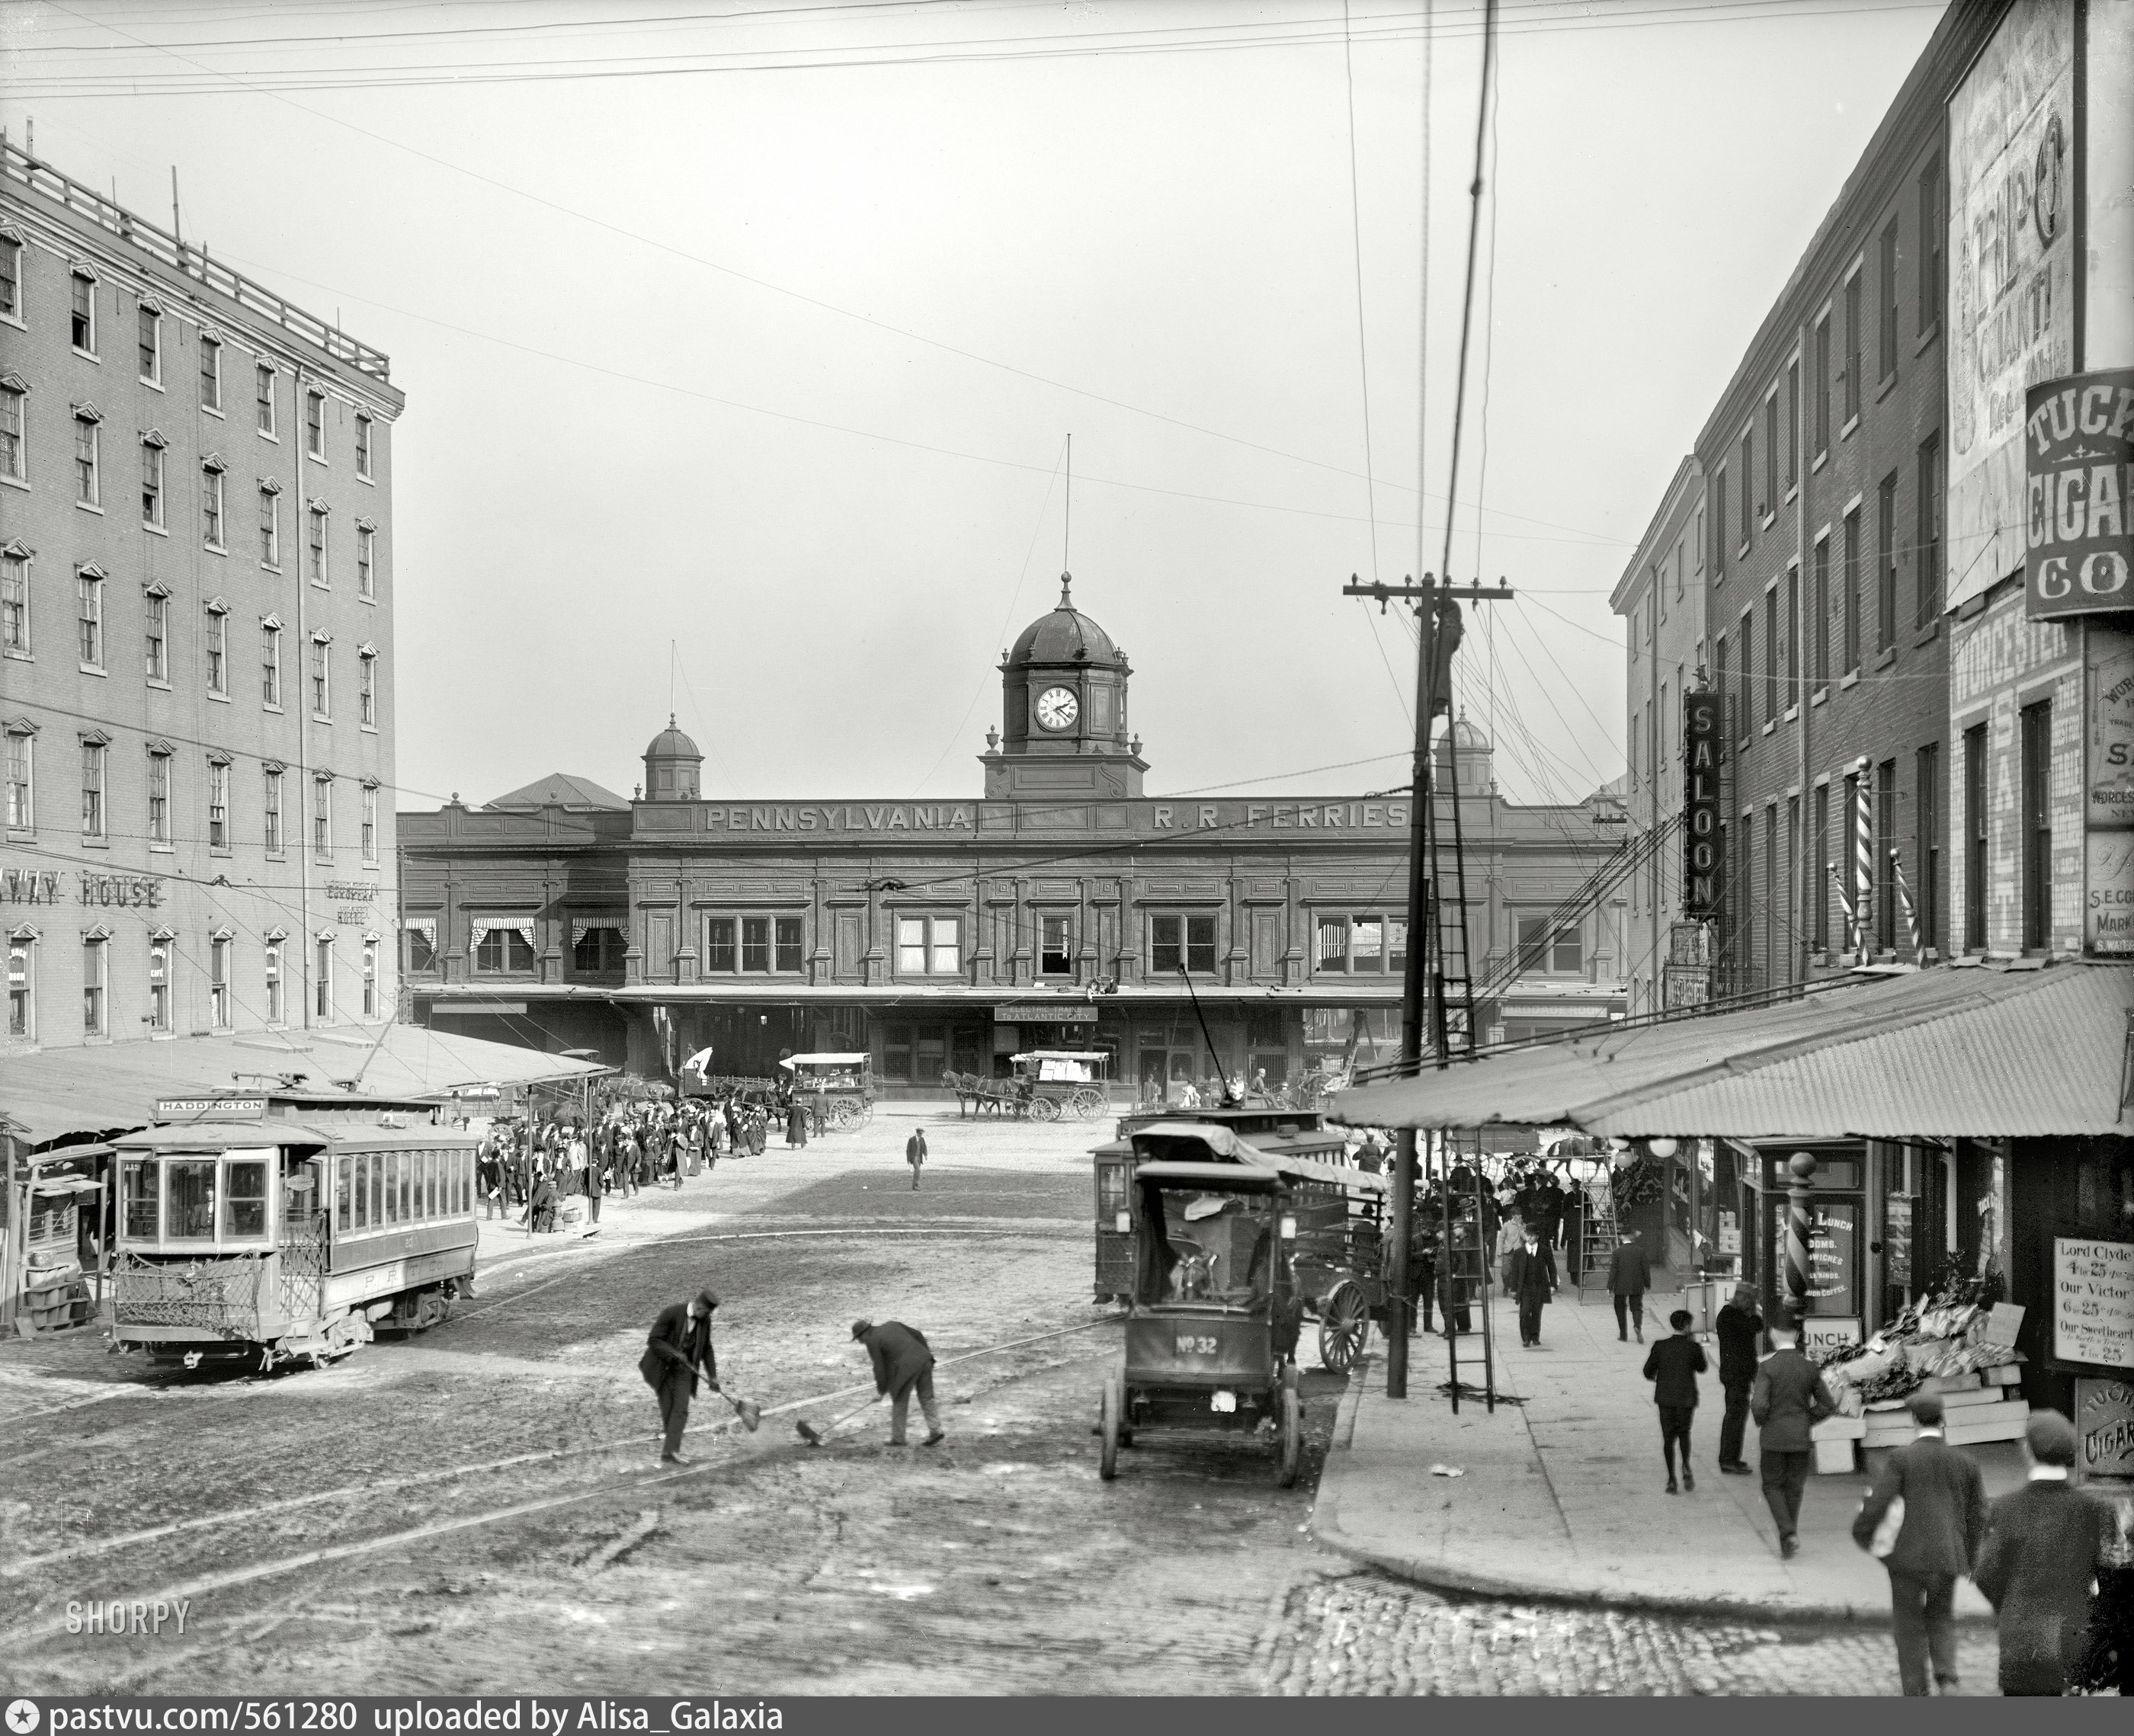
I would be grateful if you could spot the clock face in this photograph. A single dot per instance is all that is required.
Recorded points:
(1057, 708)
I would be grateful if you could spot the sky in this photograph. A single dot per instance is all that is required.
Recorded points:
(742, 343)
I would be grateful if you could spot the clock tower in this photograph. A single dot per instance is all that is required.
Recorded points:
(1064, 732)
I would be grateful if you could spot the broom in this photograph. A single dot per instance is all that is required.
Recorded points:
(813, 1436)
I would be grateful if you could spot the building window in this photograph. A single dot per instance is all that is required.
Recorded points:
(151, 484)
(85, 460)
(270, 666)
(1748, 470)
(598, 950)
(1771, 655)
(1771, 454)
(211, 506)
(1927, 857)
(21, 979)
(1180, 942)
(366, 689)
(315, 424)
(151, 325)
(95, 1013)
(1819, 653)
(322, 816)
(89, 604)
(210, 374)
(217, 983)
(322, 980)
(363, 446)
(370, 979)
(21, 781)
(273, 982)
(1819, 868)
(218, 804)
(2037, 825)
(1888, 322)
(218, 652)
(503, 949)
(270, 527)
(12, 452)
(1543, 946)
(1744, 634)
(1929, 552)
(314, 547)
(1853, 590)
(1055, 953)
(270, 809)
(1360, 945)
(81, 324)
(15, 604)
(369, 832)
(262, 397)
(1853, 348)
(159, 798)
(159, 986)
(1719, 689)
(1885, 563)
(1931, 224)
(92, 789)
(1789, 653)
(365, 583)
(929, 946)
(156, 632)
(1793, 423)
(1974, 839)
(11, 277)
(1885, 865)
(1822, 385)
(321, 680)
(1719, 525)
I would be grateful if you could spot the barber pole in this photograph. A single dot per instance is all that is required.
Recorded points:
(1863, 858)
(1844, 903)
(1905, 904)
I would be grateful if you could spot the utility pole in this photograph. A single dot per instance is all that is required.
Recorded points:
(1438, 623)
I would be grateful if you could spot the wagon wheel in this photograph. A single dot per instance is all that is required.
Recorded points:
(845, 1116)
(1292, 1431)
(1044, 1109)
(1087, 1104)
(1345, 1322)
(1108, 1422)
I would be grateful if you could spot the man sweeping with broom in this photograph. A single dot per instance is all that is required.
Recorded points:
(679, 1344)
(903, 1365)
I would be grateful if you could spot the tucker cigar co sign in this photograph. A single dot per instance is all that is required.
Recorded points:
(58, 886)
(1701, 865)
(2077, 466)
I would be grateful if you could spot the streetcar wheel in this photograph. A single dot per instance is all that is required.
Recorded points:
(1044, 1109)
(1108, 1423)
(1344, 1323)
(1293, 1431)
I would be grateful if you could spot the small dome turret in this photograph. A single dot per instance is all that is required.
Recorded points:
(672, 766)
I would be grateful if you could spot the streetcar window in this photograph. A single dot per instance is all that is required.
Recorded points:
(244, 1202)
(430, 1183)
(192, 1200)
(390, 1163)
(140, 1184)
(376, 1165)
(343, 1168)
(400, 1168)
(466, 1183)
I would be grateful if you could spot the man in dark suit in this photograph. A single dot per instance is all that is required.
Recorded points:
(1629, 1276)
(1530, 1277)
(1788, 1398)
(1944, 1523)
(679, 1344)
(903, 1365)
(1672, 1366)
(2045, 1546)
(1739, 1329)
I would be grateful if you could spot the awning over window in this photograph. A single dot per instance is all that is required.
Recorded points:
(1951, 1052)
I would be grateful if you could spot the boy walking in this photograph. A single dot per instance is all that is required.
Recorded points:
(1672, 1366)
(915, 1153)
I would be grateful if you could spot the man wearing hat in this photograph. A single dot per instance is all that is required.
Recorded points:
(1739, 1329)
(2044, 1546)
(679, 1344)
(1937, 1539)
(902, 1364)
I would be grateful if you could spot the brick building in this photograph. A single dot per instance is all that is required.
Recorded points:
(196, 639)
(1061, 906)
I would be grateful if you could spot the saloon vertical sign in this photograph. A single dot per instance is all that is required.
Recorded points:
(1701, 866)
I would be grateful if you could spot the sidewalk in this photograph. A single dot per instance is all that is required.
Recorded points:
(1563, 1496)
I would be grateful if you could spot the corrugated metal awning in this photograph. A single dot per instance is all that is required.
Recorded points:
(1947, 1052)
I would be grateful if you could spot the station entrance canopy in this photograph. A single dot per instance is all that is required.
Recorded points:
(1952, 1052)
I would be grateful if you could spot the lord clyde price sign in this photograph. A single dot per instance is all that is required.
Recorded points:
(2077, 466)
(1701, 881)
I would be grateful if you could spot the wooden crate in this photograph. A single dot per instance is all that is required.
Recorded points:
(2004, 1422)
(1836, 1456)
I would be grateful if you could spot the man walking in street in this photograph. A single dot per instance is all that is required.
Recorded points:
(1938, 1531)
(2045, 1546)
(1739, 1328)
(1629, 1276)
(915, 1153)
(1672, 1366)
(1530, 1277)
(1787, 1399)
(903, 1365)
(679, 1344)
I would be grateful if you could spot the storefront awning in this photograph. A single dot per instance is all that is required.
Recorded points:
(113, 1088)
(1947, 1052)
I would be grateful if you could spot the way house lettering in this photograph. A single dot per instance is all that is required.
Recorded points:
(50, 886)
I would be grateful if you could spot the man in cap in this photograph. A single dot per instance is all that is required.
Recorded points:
(1739, 1328)
(679, 1344)
(2045, 1546)
(1936, 1540)
(1788, 1398)
(902, 1364)
(1530, 1278)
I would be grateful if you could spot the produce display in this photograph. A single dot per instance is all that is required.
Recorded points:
(1942, 1336)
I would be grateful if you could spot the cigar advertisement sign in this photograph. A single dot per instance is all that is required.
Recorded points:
(2078, 464)
(2094, 1301)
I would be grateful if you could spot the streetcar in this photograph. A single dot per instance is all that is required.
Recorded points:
(256, 1231)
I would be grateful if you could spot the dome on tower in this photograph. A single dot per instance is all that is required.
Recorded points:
(671, 763)
(1065, 636)
(671, 744)
(1468, 738)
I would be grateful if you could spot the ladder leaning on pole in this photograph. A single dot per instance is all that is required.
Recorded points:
(1597, 1233)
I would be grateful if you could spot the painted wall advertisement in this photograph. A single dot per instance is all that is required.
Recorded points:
(2078, 463)
(1833, 1253)
(2094, 1301)
(2011, 249)
(2104, 1426)
(2108, 901)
